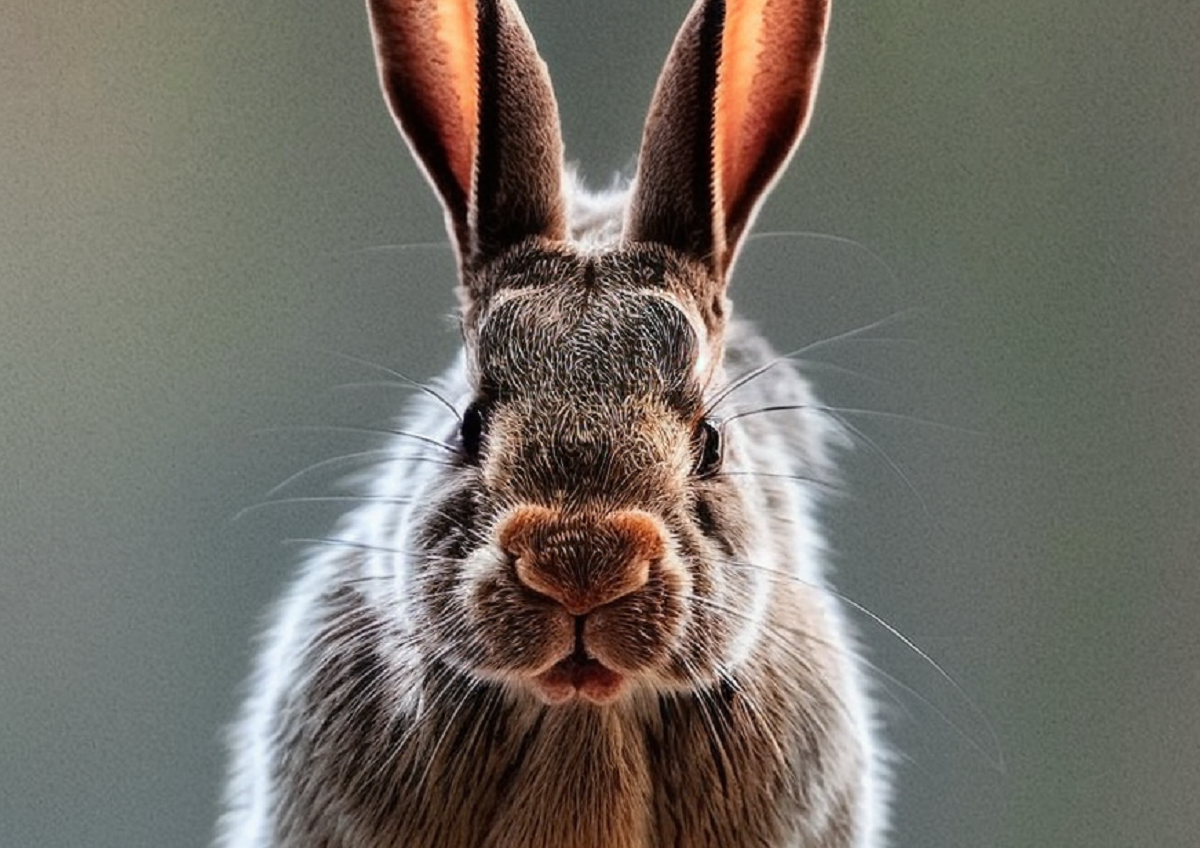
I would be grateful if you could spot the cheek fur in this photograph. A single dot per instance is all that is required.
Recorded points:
(518, 631)
(722, 617)
(640, 631)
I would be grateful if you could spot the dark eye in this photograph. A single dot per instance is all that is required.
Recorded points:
(709, 449)
(470, 432)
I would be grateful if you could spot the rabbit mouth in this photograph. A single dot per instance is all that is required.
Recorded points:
(579, 676)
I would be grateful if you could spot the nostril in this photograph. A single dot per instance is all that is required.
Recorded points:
(535, 577)
(640, 533)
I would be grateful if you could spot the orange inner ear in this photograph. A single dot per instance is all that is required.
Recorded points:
(741, 51)
(455, 26)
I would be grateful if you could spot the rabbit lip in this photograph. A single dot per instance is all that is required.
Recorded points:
(579, 675)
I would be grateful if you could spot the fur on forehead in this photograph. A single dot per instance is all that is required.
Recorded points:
(641, 301)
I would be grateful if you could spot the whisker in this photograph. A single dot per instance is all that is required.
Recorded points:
(389, 248)
(779, 475)
(855, 411)
(995, 755)
(484, 719)
(255, 507)
(706, 706)
(325, 463)
(404, 378)
(369, 431)
(776, 634)
(775, 631)
(364, 579)
(847, 335)
(472, 686)
(757, 715)
(441, 680)
(349, 544)
(842, 240)
(352, 544)
(477, 535)
(887, 459)
(810, 365)
(345, 458)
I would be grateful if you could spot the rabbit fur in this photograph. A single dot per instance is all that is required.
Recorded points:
(585, 607)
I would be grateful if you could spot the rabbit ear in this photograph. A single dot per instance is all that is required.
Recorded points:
(472, 97)
(730, 107)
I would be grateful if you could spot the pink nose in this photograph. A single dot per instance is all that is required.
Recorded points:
(582, 563)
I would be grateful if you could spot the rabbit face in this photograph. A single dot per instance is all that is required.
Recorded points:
(575, 549)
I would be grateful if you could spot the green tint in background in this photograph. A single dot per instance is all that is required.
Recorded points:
(194, 202)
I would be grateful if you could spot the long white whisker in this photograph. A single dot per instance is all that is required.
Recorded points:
(995, 755)
(847, 335)
(325, 463)
(317, 499)
(842, 240)
(440, 246)
(404, 378)
(779, 475)
(882, 454)
(776, 635)
(849, 410)
(369, 431)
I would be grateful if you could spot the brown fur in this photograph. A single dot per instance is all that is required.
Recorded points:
(728, 766)
(587, 628)
(421, 733)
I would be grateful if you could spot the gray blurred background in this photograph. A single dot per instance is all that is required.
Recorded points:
(195, 206)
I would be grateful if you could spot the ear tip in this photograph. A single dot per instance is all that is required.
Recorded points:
(729, 110)
(473, 99)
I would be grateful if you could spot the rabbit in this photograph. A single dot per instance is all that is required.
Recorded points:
(591, 613)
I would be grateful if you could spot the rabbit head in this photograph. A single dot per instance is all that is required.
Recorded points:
(574, 546)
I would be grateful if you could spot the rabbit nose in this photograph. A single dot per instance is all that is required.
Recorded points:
(582, 564)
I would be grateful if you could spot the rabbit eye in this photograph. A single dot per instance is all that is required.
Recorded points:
(470, 431)
(708, 440)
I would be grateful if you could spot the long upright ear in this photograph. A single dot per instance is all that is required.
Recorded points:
(729, 109)
(472, 97)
